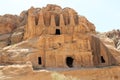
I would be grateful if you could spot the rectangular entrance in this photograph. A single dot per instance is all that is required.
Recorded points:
(39, 60)
(102, 59)
(57, 32)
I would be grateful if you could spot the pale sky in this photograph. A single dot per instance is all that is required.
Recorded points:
(105, 14)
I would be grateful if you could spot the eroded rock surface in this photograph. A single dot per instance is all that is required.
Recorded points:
(115, 36)
(56, 37)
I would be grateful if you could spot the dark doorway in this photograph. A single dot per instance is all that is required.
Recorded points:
(69, 61)
(57, 32)
(102, 59)
(39, 61)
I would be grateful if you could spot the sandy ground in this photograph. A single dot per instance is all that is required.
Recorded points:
(106, 73)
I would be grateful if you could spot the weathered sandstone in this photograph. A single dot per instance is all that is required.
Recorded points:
(43, 40)
(56, 37)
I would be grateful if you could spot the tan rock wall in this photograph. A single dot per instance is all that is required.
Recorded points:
(99, 51)
(34, 58)
(56, 49)
(53, 34)
(67, 24)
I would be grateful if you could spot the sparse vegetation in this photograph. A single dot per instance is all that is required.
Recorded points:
(57, 76)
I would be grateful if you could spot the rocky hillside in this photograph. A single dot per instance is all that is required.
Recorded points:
(12, 26)
(111, 38)
(42, 33)
(41, 40)
(115, 36)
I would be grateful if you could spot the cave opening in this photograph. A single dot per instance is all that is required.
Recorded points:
(102, 59)
(57, 32)
(69, 62)
(39, 60)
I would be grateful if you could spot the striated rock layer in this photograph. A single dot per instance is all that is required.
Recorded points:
(56, 37)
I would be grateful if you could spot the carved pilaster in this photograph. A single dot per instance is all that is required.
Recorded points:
(52, 23)
(62, 23)
(30, 27)
(72, 21)
(41, 19)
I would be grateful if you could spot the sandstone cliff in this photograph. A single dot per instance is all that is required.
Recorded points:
(47, 19)
(111, 40)
(115, 36)
(50, 15)
(9, 25)
(55, 37)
